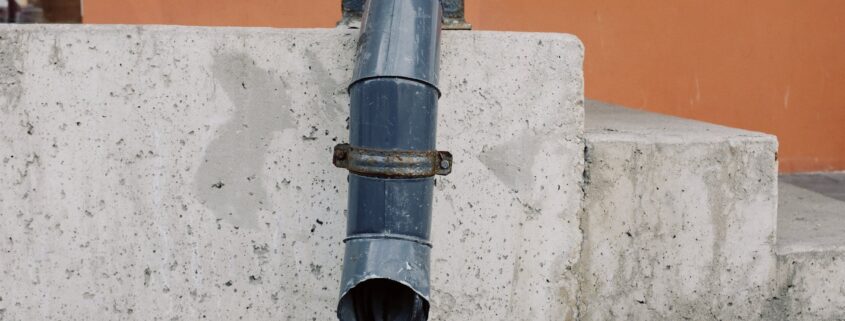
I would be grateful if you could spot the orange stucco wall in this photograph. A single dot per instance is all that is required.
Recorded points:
(776, 66)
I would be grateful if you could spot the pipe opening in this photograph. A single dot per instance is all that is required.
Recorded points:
(382, 300)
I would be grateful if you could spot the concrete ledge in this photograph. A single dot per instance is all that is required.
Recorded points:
(809, 221)
(169, 173)
(679, 219)
(830, 184)
(811, 255)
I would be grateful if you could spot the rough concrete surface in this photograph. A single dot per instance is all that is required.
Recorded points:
(811, 255)
(182, 173)
(679, 219)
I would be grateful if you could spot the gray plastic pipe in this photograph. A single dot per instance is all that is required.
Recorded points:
(392, 160)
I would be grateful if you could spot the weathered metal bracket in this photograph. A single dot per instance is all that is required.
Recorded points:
(453, 14)
(392, 163)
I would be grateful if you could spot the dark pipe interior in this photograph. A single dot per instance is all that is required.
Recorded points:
(385, 300)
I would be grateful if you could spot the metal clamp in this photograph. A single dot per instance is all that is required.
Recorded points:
(453, 14)
(392, 163)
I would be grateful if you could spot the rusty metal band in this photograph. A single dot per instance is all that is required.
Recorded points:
(392, 163)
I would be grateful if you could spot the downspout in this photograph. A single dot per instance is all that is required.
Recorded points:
(392, 160)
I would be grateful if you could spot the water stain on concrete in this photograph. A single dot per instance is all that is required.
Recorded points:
(511, 162)
(56, 56)
(11, 70)
(230, 181)
(332, 94)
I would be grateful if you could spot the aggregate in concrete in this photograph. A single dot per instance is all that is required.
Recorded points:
(679, 219)
(183, 173)
(811, 255)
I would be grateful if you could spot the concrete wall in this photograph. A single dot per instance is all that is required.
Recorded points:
(766, 65)
(679, 219)
(167, 173)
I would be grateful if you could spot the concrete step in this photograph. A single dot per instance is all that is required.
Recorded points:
(811, 248)
(184, 173)
(830, 184)
(679, 219)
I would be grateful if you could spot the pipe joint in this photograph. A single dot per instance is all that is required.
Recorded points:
(400, 39)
